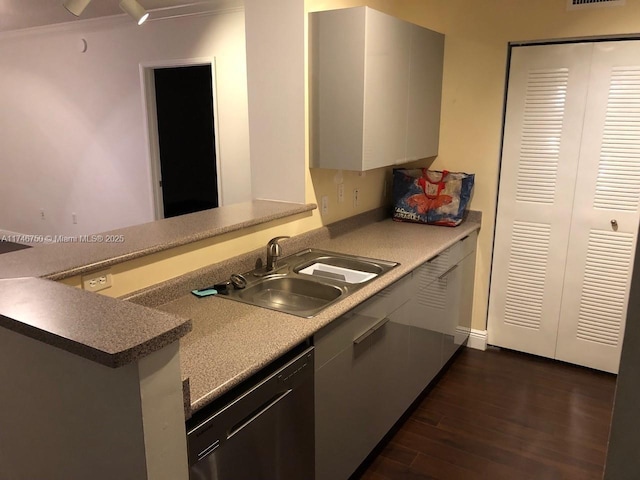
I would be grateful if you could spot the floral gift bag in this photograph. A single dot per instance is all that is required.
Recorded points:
(430, 196)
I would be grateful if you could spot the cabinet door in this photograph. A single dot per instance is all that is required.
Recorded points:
(358, 398)
(376, 85)
(605, 212)
(543, 125)
(385, 91)
(425, 342)
(426, 314)
(439, 314)
(337, 67)
(425, 93)
(459, 306)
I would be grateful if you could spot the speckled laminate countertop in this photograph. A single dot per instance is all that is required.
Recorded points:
(56, 261)
(230, 341)
(83, 323)
(106, 330)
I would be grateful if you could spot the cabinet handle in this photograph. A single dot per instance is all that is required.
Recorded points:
(448, 272)
(377, 326)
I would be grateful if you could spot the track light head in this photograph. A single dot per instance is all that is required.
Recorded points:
(135, 10)
(76, 6)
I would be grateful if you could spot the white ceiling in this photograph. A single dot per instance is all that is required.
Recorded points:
(18, 14)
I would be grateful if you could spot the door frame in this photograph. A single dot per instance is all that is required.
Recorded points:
(150, 120)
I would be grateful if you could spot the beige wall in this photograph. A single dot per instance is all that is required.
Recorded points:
(477, 35)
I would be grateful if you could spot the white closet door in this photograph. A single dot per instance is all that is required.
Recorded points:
(543, 125)
(605, 212)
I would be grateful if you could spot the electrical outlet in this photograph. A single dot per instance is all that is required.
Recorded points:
(94, 282)
(341, 193)
(356, 197)
(42, 217)
(324, 201)
(74, 218)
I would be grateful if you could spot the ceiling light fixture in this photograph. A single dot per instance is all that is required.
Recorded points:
(135, 10)
(76, 6)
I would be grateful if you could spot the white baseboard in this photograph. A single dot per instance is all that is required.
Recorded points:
(477, 339)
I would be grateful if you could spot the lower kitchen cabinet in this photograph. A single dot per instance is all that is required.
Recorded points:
(357, 385)
(374, 361)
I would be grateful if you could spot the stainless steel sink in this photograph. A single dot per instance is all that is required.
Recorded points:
(307, 282)
(290, 294)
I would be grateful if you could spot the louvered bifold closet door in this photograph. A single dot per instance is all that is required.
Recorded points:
(543, 124)
(605, 212)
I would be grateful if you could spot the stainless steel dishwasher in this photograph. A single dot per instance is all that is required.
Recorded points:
(262, 430)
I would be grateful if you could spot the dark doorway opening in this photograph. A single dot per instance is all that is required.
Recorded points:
(184, 107)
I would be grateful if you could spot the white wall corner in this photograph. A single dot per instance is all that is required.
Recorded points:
(161, 394)
(275, 34)
(477, 339)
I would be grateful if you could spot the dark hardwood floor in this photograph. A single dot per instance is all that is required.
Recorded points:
(504, 415)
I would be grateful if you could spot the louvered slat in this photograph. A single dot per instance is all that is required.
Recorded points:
(604, 286)
(526, 274)
(618, 182)
(541, 133)
(435, 296)
(432, 292)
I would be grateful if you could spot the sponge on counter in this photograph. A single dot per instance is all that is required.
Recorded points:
(205, 292)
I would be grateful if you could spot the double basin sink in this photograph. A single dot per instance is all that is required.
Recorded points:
(305, 283)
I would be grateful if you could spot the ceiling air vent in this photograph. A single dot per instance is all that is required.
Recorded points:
(580, 4)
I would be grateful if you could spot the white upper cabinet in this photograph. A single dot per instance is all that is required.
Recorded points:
(375, 90)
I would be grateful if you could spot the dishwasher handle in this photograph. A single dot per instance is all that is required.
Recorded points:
(257, 412)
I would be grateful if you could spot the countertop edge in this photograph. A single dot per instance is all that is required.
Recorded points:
(100, 329)
(84, 253)
(111, 360)
(152, 345)
(204, 235)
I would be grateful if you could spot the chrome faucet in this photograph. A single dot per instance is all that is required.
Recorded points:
(274, 250)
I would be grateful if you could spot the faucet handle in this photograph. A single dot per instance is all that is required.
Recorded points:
(273, 252)
(273, 246)
(274, 240)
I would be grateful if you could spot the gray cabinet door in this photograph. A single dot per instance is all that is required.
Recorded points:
(360, 382)
(427, 315)
(440, 311)
(460, 306)
(376, 86)
(425, 92)
(355, 397)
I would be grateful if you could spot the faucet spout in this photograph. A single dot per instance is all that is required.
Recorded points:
(274, 250)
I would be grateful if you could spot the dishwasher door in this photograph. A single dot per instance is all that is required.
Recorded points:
(265, 433)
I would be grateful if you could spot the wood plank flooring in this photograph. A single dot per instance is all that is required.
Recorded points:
(503, 415)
